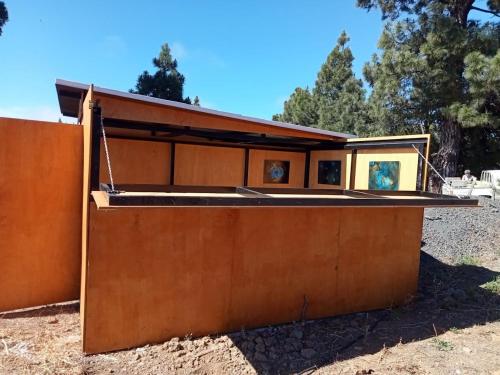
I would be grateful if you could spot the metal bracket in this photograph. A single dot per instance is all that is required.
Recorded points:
(93, 104)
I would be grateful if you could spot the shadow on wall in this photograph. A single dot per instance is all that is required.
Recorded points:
(448, 297)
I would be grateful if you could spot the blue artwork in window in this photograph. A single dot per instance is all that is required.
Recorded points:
(276, 171)
(383, 175)
(329, 172)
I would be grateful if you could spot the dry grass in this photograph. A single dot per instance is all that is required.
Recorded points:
(42, 341)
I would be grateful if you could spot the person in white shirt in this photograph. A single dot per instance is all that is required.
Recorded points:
(468, 176)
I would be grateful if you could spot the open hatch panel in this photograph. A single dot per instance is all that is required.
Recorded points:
(172, 195)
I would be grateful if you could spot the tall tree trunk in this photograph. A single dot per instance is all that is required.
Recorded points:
(449, 148)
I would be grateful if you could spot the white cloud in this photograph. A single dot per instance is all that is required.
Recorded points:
(42, 113)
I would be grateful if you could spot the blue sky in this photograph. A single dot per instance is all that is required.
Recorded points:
(238, 56)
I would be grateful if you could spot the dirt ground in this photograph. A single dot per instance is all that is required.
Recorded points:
(452, 326)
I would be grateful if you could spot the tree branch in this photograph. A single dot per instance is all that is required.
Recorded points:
(486, 11)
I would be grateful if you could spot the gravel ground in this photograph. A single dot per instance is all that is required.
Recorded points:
(461, 235)
(452, 326)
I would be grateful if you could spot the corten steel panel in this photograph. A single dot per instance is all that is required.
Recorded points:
(209, 166)
(127, 109)
(87, 117)
(40, 212)
(155, 273)
(256, 167)
(136, 162)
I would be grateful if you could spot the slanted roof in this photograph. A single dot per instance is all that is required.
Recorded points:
(71, 93)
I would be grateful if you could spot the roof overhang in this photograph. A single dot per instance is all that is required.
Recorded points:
(70, 95)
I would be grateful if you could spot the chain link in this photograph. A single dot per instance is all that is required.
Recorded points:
(108, 160)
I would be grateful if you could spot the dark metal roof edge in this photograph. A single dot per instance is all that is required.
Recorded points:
(60, 83)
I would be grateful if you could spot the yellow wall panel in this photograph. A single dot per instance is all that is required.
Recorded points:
(408, 167)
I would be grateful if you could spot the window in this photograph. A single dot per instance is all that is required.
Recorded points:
(329, 172)
(276, 171)
(383, 175)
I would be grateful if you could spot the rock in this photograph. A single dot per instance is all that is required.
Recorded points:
(459, 294)
(448, 301)
(138, 356)
(260, 356)
(259, 340)
(432, 218)
(260, 347)
(273, 356)
(297, 333)
(270, 341)
(308, 353)
(296, 344)
(180, 353)
(174, 347)
(247, 346)
(221, 340)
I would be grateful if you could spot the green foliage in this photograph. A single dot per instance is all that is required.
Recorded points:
(483, 76)
(337, 100)
(493, 286)
(196, 101)
(442, 345)
(299, 109)
(166, 82)
(468, 260)
(480, 149)
(338, 94)
(437, 72)
(4, 15)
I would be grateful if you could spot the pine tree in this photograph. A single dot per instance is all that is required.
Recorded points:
(338, 94)
(300, 109)
(419, 81)
(337, 100)
(4, 15)
(166, 82)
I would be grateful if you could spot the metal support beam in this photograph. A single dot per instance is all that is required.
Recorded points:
(172, 163)
(245, 169)
(420, 170)
(306, 169)
(95, 147)
(352, 176)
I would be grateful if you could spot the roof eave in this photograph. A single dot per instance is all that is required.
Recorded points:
(69, 87)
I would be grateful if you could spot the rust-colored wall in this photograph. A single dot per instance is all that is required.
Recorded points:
(128, 109)
(256, 167)
(40, 212)
(209, 166)
(136, 162)
(155, 273)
